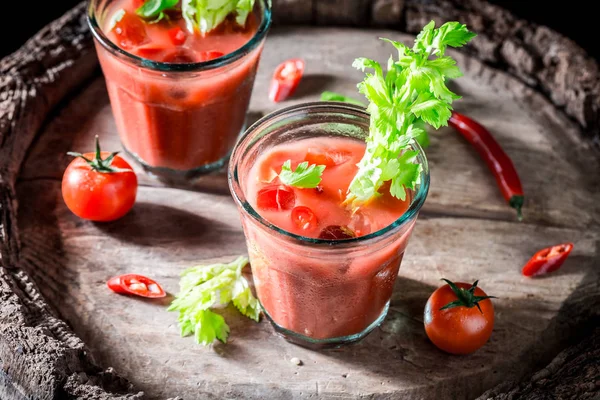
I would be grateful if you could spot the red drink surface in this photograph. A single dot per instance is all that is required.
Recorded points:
(326, 292)
(177, 120)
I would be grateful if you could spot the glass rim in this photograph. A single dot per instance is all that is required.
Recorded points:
(235, 185)
(227, 59)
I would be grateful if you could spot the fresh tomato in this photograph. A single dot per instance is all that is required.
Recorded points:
(547, 260)
(135, 284)
(130, 31)
(304, 217)
(277, 198)
(177, 36)
(99, 186)
(459, 318)
(285, 79)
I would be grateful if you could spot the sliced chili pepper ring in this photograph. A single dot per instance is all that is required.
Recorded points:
(547, 260)
(135, 284)
(285, 79)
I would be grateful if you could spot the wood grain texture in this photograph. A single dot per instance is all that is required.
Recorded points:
(293, 11)
(539, 56)
(465, 232)
(573, 374)
(40, 356)
(38, 352)
(344, 12)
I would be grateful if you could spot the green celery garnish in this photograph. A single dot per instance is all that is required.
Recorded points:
(154, 10)
(208, 14)
(422, 138)
(411, 93)
(305, 176)
(205, 286)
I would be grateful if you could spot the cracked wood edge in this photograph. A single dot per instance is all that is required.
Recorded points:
(41, 357)
(572, 374)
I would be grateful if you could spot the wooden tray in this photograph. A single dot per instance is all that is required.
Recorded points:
(54, 265)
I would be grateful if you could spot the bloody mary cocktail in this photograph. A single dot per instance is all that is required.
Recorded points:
(179, 96)
(324, 272)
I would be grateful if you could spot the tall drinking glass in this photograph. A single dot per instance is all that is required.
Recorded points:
(319, 293)
(179, 119)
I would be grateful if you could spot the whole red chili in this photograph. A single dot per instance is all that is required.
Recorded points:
(547, 260)
(497, 160)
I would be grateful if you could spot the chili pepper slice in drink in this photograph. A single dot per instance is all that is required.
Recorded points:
(134, 284)
(497, 160)
(547, 260)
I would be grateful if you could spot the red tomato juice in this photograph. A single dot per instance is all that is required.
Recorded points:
(177, 120)
(322, 295)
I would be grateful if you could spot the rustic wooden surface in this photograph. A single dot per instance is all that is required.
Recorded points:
(42, 358)
(465, 232)
(571, 374)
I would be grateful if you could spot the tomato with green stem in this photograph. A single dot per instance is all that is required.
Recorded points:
(459, 317)
(99, 186)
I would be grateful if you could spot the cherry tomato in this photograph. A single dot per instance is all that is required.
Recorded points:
(130, 31)
(459, 318)
(547, 260)
(304, 217)
(336, 232)
(177, 36)
(135, 284)
(285, 79)
(99, 186)
(276, 198)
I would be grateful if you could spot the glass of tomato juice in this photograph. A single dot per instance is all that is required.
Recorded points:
(179, 99)
(323, 272)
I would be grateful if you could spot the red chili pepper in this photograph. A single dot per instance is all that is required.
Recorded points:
(135, 284)
(547, 260)
(177, 36)
(285, 80)
(497, 160)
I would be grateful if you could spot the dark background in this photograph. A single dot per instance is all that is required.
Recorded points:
(573, 18)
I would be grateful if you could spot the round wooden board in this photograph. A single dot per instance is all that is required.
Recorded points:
(465, 232)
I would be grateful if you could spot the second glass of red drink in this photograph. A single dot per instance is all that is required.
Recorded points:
(323, 271)
(179, 96)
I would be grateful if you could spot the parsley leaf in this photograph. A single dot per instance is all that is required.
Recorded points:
(305, 176)
(206, 286)
(154, 10)
(411, 92)
(208, 14)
